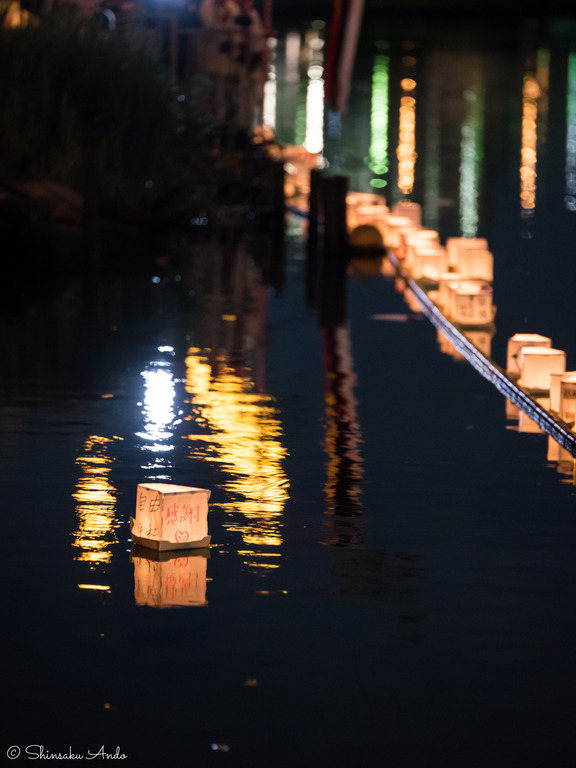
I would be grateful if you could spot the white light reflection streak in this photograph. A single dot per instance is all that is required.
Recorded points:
(270, 89)
(159, 414)
(570, 197)
(470, 163)
(314, 141)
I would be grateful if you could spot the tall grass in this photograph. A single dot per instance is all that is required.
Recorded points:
(70, 90)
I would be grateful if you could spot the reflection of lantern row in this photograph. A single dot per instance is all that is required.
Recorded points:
(169, 579)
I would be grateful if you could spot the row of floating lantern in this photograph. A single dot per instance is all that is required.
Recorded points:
(457, 276)
(541, 369)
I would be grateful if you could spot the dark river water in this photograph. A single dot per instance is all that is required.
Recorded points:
(392, 573)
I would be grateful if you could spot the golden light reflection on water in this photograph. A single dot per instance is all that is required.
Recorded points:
(530, 95)
(406, 151)
(96, 507)
(239, 430)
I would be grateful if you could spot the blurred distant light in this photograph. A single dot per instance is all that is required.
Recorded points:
(528, 154)
(471, 163)
(570, 198)
(314, 141)
(379, 119)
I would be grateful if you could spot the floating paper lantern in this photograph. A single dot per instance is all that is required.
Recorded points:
(412, 211)
(393, 228)
(470, 302)
(555, 379)
(515, 344)
(169, 579)
(457, 245)
(444, 282)
(538, 363)
(170, 516)
(416, 238)
(476, 263)
(427, 262)
(567, 408)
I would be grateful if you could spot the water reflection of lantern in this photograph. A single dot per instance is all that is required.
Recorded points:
(515, 344)
(171, 516)
(568, 398)
(526, 424)
(538, 363)
(561, 456)
(169, 579)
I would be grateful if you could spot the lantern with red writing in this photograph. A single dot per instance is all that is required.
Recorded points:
(170, 517)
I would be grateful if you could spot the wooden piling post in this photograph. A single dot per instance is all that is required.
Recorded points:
(315, 225)
(335, 250)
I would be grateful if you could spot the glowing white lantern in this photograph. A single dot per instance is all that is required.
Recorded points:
(417, 238)
(515, 344)
(168, 579)
(471, 302)
(427, 262)
(412, 211)
(555, 379)
(444, 282)
(457, 245)
(393, 228)
(538, 363)
(567, 408)
(170, 517)
(476, 263)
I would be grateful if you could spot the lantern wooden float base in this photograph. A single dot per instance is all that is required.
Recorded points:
(165, 546)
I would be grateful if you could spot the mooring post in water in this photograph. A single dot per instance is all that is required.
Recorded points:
(335, 248)
(315, 217)
(278, 222)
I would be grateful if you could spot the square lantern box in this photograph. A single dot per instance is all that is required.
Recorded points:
(537, 364)
(457, 245)
(427, 262)
(568, 398)
(444, 282)
(412, 211)
(555, 379)
(421, 238)
(476, 263)
(169, 579)
(170, 517)
(394, 226)
(470, 303)
(515, 344)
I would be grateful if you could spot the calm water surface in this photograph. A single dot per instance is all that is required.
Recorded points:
(392, 573)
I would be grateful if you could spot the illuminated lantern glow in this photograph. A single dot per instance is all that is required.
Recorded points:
(568, 398)
(412, 211)
(469, 302)
(515, 344)
(444, 282)
(555, 380)
(427, 262)
(537, 364)
(170, 517)
(394, 226)
(476, 263)
(419, 238)
(456, 245)
(168, 579)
